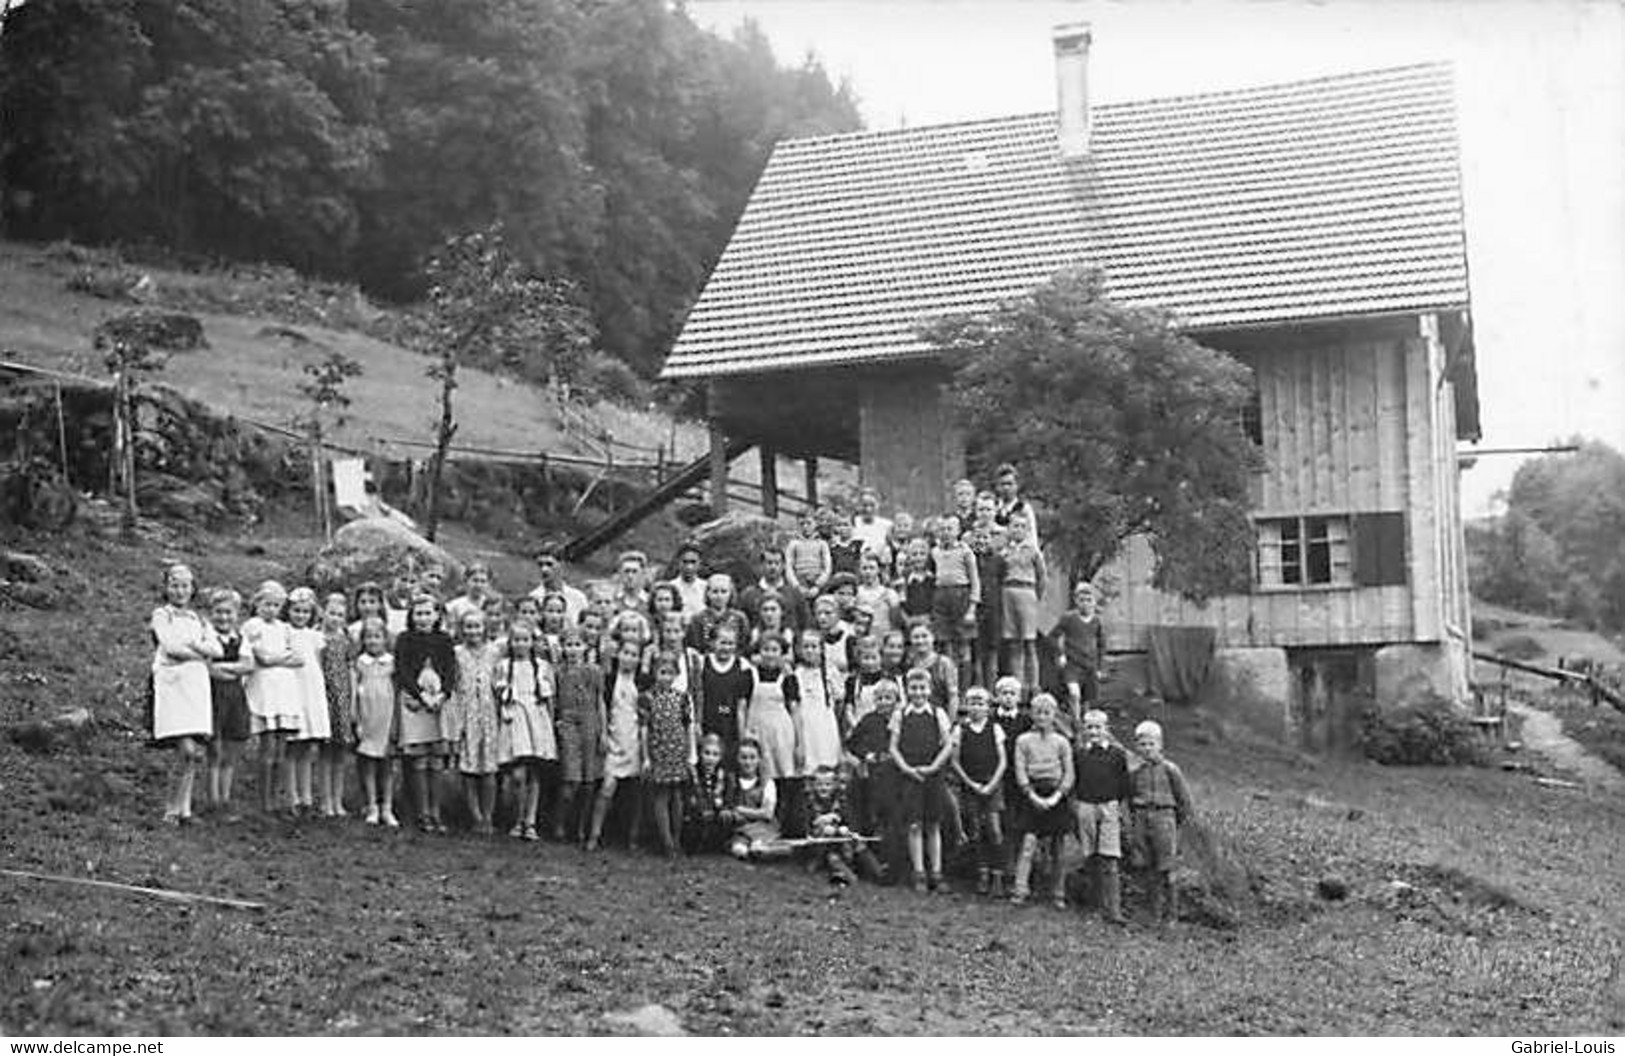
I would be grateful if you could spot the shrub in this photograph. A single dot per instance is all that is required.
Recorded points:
(1522, 647)
(606, 378)
(1430, 732)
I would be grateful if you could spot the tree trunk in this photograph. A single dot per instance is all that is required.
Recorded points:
(324, 518)
(124, 449)
(442, 444)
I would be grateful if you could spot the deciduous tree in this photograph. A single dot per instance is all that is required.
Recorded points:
(1120, 424)
(485, 305)
(323, 386)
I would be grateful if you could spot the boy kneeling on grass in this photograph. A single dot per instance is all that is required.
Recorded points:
(1159, 802)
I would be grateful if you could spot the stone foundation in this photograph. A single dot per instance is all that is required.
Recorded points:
(1252, 686)
(1412, 673)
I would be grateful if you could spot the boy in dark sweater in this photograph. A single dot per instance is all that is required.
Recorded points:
(1100, 796)
(874, 776)
(1080, 642)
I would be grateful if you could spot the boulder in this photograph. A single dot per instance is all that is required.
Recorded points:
(26, 568)
(29, 595)
(649, 1021)
(733, 544)
(376, 548)
(186, 502)
(34, 583)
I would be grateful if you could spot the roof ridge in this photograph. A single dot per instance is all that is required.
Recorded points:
(1439, 65)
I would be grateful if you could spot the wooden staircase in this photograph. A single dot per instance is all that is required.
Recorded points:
(672, 488)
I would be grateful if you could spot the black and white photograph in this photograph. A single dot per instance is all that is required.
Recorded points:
(773, 518)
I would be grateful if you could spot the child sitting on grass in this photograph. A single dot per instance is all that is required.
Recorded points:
(755, 807)
(1159, 802)
(708, 817)
(826, 817)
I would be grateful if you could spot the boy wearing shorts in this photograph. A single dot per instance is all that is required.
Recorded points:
(1159, 802)
(1099, 793)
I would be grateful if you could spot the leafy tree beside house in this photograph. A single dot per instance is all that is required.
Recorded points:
(1121, 426)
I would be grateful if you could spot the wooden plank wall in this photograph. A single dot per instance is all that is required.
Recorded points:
(1349, 428)
(909, 448)
(1455, 592)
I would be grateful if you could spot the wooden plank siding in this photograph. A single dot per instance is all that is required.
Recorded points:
(1353, 427)
(911, 452)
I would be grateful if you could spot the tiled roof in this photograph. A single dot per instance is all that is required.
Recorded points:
(1325, 198)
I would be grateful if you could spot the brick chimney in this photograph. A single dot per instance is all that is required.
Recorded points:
(1072, 88)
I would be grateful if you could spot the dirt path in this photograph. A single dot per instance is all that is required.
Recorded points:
(1543, 733)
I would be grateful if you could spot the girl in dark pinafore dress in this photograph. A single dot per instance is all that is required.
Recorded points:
(579, 716)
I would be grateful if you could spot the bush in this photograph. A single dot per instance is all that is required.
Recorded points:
(1522, 647)
(1428, 733)
(604, 377)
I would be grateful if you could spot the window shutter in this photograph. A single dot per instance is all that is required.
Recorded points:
(1379, 549)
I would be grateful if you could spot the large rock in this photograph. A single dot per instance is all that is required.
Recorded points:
(733, 544)
(182, 501)
(376, 548)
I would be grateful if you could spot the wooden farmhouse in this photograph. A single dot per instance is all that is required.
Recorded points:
(1312, 229)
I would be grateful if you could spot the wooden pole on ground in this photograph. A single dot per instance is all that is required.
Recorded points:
(155, 892)
(770, 481)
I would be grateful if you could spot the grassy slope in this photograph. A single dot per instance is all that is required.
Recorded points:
(254, 374)
(371, 931)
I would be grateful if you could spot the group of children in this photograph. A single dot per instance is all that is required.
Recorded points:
(811, 712)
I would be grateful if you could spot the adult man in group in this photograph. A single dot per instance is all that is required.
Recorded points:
(547, 562)
(688, 581)
(773, 584)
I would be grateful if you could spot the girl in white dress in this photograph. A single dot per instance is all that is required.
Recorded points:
(272, 689)
(523, 685)
(375, 725)
(315, 725)
(769, 718)
(623, 737)
(817, 731)
(182, 709)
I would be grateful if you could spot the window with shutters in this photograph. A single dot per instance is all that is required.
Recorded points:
(1305, 552)
(1366, 549)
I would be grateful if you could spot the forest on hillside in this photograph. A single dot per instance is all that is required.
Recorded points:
(615, 141)
(1559, 546)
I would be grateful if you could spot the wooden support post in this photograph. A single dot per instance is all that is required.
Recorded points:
(770, 481)
(812, 482)
(719, 469)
